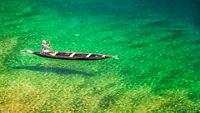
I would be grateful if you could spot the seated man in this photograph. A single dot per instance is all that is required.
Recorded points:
(45, 47)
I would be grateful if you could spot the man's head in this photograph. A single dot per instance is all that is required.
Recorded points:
(44, 42)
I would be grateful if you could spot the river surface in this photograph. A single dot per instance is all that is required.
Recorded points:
(157, 44)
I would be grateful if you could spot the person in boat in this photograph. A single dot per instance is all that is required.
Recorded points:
(45, 46)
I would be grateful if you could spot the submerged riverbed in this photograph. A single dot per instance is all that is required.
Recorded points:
(157, 43)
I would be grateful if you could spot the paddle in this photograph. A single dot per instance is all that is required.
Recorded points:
(50, 47)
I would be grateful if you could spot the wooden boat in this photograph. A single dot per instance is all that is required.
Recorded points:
(70, 55)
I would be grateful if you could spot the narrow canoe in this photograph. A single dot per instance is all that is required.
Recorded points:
(71, 55)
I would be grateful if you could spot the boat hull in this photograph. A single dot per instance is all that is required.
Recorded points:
(72, 56)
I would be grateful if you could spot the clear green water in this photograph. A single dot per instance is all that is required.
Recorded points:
(158, 45)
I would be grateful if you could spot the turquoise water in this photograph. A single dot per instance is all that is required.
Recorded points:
(157, 44)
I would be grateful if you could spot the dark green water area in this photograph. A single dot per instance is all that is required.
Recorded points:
(157, 42)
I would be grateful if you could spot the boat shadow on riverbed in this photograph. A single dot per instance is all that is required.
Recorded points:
(56, 70)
